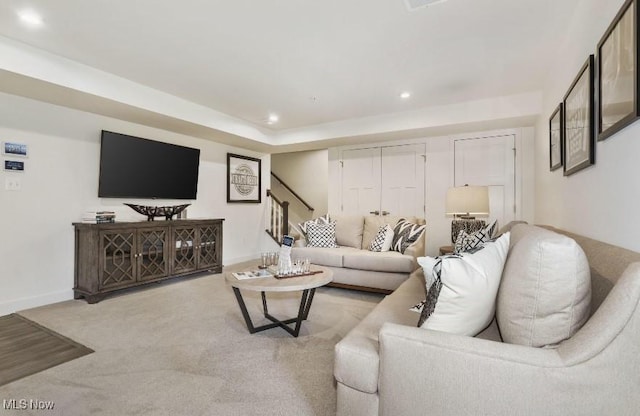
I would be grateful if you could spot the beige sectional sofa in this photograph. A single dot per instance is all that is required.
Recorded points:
(388, 366)
(353, 265)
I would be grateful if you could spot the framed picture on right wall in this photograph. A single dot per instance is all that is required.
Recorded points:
(556, 133)
(618, 72)
(578, 116)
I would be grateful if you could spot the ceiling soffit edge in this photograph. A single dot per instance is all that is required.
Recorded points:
(144, 105)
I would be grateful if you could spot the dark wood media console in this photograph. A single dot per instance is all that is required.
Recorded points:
(110, 257)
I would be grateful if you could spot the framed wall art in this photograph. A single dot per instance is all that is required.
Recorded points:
(618, 73)
(578, 121)
(243, 179)
(14, 165)
(14, 149)
(556, 134)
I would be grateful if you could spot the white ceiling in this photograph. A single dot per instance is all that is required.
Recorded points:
(311, 62)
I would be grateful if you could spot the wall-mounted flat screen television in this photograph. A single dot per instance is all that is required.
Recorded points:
(133, 167)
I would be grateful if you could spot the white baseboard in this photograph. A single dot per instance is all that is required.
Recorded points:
(35, 301)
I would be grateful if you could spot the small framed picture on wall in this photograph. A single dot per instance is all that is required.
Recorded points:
(618, 73)
(14, 149)
(578, 117)
(556, 134)
(243, 179)
(14, 165)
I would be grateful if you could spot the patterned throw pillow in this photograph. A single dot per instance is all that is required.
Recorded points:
(406, 233)
(469, 226)
(469, 242)
(383, 240)
(320, 220)
(321, 235)
(492, 229)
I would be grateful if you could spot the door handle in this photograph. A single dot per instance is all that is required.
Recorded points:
(374, 212)
(385, 213)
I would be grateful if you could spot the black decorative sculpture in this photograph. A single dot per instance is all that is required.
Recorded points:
(151, 212)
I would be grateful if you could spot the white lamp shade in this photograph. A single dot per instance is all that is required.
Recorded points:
(468, 200)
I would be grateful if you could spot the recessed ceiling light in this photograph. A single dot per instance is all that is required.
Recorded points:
(30, 17)
(405, 95)
(273, 118)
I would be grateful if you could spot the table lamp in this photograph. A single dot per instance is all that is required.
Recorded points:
(464, 203)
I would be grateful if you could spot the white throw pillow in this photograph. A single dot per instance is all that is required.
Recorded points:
(382, 241)
(462, 288)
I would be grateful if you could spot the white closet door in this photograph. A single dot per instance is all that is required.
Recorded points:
(361, 181)
(489, 161)
(384, 180)
(402, 190)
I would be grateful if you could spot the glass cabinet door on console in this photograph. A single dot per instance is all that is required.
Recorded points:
(209, 236)
(117, 261)
(153, 255)
(196, 247)
(130, 256)
(184, 257)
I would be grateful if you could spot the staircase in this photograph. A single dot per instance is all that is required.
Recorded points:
(285, 210)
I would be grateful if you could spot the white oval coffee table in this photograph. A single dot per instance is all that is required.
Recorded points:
(307, 284)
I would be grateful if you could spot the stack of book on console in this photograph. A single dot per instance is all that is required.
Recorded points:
(99, 217)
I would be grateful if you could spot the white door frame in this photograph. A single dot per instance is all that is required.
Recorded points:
(518, 160)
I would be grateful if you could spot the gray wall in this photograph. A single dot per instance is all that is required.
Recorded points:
(601, 201)
(307, 173)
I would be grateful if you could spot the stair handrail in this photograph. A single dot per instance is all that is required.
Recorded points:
(278, 222)
(288, 188)
(275, 198)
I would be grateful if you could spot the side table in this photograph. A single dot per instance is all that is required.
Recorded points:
(446, 250)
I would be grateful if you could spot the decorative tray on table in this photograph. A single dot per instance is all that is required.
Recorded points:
(274, 272)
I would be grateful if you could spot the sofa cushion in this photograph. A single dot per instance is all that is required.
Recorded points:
(331, 257)
(385, 281)
(462, 289)
(508, 227)
(387, 261)
(349, 229)
(357, 354)
(321, 235)
(406, 233)
(372, 224)
(545, 294)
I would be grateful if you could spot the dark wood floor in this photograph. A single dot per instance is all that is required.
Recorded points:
(27, 348)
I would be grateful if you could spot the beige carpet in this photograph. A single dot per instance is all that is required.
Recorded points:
(182, 348)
